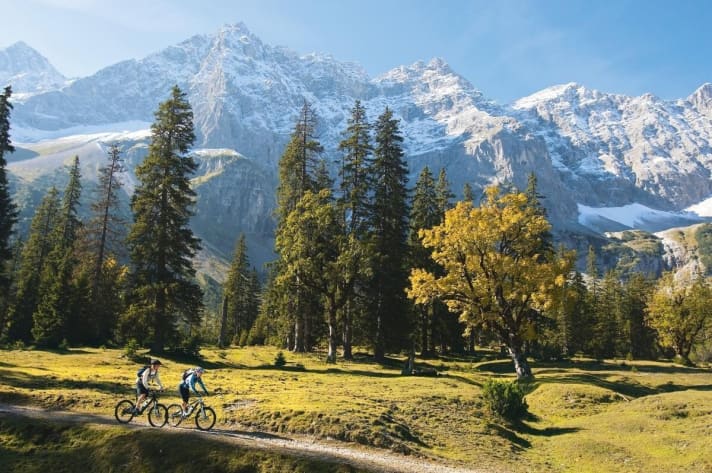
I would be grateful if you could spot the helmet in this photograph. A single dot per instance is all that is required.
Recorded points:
(155, 361)
(199, 370)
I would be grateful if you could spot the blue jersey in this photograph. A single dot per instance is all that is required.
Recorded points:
(190, 381)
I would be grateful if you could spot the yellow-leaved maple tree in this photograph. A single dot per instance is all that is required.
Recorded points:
(498, 268)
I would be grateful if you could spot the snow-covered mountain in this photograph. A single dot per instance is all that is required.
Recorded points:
(621, 149)
(590, 150)
(27, 70)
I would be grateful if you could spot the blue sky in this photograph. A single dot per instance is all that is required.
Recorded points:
(506, 48)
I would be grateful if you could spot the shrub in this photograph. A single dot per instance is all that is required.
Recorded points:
(131, 349)
(505, 399)
(190, 346)
(279, 360)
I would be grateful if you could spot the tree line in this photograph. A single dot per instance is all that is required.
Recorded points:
(363, 260)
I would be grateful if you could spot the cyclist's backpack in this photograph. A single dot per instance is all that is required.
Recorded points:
(187, 373)
(140, 372)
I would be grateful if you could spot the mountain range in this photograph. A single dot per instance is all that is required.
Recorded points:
(604, 162)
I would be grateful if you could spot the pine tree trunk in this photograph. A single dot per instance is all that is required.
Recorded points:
(222, 343)
(431, 346)
(331, 356)
(379, 352)
(471, 341)
(348, 335)
(424, 335)
(306, 334)
(298, 335)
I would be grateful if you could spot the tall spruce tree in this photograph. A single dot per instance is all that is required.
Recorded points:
(389, 226)
(354, 185)
(34, 259)
(609, 314)
(164, 295)
(467, 193)
(8, 211)
(446, 328)
(424, 214)
(104, 239)
(297, 168)
(641, 338)
(239, 301)
(104, 229)
(311, 252)
(58, 308)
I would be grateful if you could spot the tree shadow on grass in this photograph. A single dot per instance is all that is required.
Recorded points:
(27, 381)
(594, 365)
(627, 387)
(498, 367)
(545, 432)
(512, 432)
(509, 434)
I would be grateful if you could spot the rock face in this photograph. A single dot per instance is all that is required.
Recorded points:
(27, 70)
(586, 147)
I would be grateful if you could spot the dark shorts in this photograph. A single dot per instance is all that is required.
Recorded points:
(184, 392)
(140, 388)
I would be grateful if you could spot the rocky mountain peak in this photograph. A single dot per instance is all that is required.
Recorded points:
(27, 71)
(701, 99)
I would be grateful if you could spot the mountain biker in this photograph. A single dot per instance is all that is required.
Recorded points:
(193, 376)
(149, 374)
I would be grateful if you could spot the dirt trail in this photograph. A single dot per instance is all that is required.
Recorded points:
(377, 461)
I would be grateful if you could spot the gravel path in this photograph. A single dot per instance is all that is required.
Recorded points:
(374, 460)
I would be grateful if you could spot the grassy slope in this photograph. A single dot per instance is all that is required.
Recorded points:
(30, 447)
(639, 416)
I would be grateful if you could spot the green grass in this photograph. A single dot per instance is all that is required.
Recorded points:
(586, 416)
(44, 446)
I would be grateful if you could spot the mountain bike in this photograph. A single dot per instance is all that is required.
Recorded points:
(204, 416)
(157, 413)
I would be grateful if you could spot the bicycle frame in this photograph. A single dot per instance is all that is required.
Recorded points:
(152, 401)
(205, 416)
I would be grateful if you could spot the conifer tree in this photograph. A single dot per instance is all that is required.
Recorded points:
(445, 326)
(34, 258)
(608, 316)
(164, 295)
(424, 214)
(444, 193)
(353, 202)
(104, 237)
(239, 301)
(467, 193)
(104, 229)
(8, 211)
(312, 254)
(297, 168)
(298, 163)
(640, 341)
(389, 227)
(58, 297)
(577, 316)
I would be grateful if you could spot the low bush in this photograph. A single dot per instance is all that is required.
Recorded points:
(505, 399)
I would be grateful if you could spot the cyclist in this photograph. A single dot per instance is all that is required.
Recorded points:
(193, 376)
(148, 374)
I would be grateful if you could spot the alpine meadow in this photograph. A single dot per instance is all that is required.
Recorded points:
(302, 268)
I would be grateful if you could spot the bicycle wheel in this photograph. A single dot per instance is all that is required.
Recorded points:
(174, 415)
(124, 411)
(158, 415)
(205, 418)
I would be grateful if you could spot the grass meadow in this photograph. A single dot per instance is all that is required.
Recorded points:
(585, 416)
